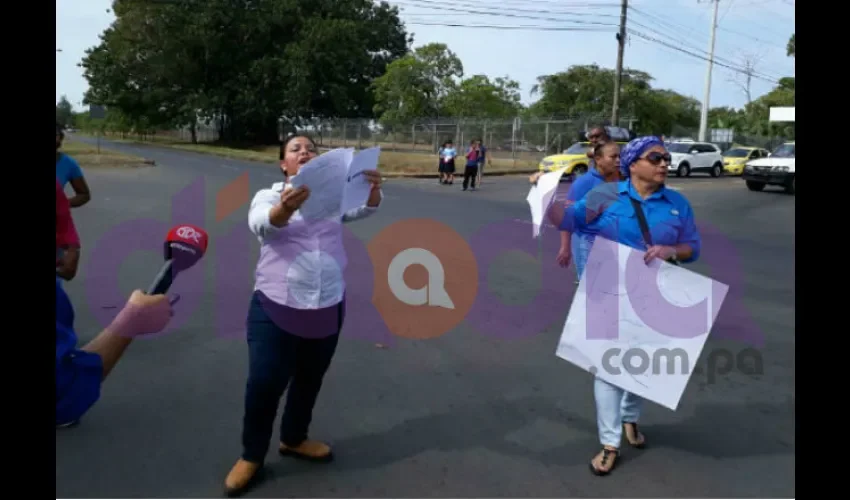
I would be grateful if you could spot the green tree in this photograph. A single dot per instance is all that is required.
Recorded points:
(64, 112)
(588, 90)
(792, 46)
(245, 63)
(479, 97)
(416, 86)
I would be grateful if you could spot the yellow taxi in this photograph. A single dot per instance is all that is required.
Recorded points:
(574, 160)
(736, 158)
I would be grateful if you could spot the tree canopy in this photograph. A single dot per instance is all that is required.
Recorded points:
(247, 64)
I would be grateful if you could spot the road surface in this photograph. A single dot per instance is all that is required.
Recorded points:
(468, 414)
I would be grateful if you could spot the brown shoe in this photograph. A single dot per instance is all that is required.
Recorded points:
(313, 451)
(242, 476)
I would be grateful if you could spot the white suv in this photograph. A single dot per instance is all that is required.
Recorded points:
(691, 157)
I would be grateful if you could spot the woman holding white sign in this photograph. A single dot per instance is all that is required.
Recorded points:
(642, 213)
(295, 316)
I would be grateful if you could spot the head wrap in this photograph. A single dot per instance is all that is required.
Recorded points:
(634, 149)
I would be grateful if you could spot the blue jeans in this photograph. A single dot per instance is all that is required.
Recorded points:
(277, 359)
(614, 407)
(581, 244)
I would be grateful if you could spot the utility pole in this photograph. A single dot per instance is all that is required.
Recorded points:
(703, 119)
(618, 80)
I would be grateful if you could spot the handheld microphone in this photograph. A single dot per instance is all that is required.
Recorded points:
(184, 246)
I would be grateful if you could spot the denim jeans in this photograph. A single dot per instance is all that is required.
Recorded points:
(581, 244)
(278, 358)
(614, 407)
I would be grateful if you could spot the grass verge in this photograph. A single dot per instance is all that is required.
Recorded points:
(392, 163)
(88, 157)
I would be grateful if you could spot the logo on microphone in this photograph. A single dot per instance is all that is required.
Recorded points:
(189, 233)
(426, 278)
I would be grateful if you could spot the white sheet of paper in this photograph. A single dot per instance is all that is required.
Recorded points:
(357, 188)
(326, 177)
(662, 322)
(539, 197)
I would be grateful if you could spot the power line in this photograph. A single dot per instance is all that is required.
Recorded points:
(474, 9)
(692, 54)
(509, 28)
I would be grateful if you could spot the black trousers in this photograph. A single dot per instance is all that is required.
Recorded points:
(278, 358)
(470, 174)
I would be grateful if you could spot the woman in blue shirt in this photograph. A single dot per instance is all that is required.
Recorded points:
(606, 160)
(606, 168)
(672, 235)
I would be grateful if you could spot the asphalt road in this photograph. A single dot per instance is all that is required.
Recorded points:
(469, 414)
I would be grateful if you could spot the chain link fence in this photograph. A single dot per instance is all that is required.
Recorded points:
(519, 139)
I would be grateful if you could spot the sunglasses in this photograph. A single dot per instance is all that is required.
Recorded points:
(655, 157)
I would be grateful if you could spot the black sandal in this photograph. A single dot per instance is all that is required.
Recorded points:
(641, 439)
(606, 456)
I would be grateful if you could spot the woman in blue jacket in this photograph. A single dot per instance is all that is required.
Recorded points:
(671, 235)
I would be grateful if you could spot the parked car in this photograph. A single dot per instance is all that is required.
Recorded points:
(736, 158)
(778, 169)
(690, 157)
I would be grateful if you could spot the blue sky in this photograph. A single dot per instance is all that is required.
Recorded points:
(754, 30)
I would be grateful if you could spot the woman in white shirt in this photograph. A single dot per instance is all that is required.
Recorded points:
(295, 316)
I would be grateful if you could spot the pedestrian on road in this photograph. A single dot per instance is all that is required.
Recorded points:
(470, 172)
(69, 171)
(482, 157)
(643, 214)
(447, 156)
(606, 161)
(294, 318)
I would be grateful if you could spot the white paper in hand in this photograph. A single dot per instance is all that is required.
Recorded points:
(357, 187)
(639, 327)
(540, 196)
(326, 176)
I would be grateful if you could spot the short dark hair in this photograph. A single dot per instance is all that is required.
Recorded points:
(60, 130)
(604, 130)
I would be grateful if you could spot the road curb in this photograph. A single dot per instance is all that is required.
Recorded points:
(388, 175)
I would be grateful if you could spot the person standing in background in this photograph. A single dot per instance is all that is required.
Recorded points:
(482, 157)
(470, 172)
(447, 156)
(69, 171)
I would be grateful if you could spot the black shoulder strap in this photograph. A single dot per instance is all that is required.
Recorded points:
(644, 226)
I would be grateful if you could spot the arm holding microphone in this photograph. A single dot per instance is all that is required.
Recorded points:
(81, 371)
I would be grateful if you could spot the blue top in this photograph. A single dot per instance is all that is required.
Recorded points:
(78, 373)
(447, 153)
(584, 184)
(67, 169)
(482, 155)
(668, 214)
